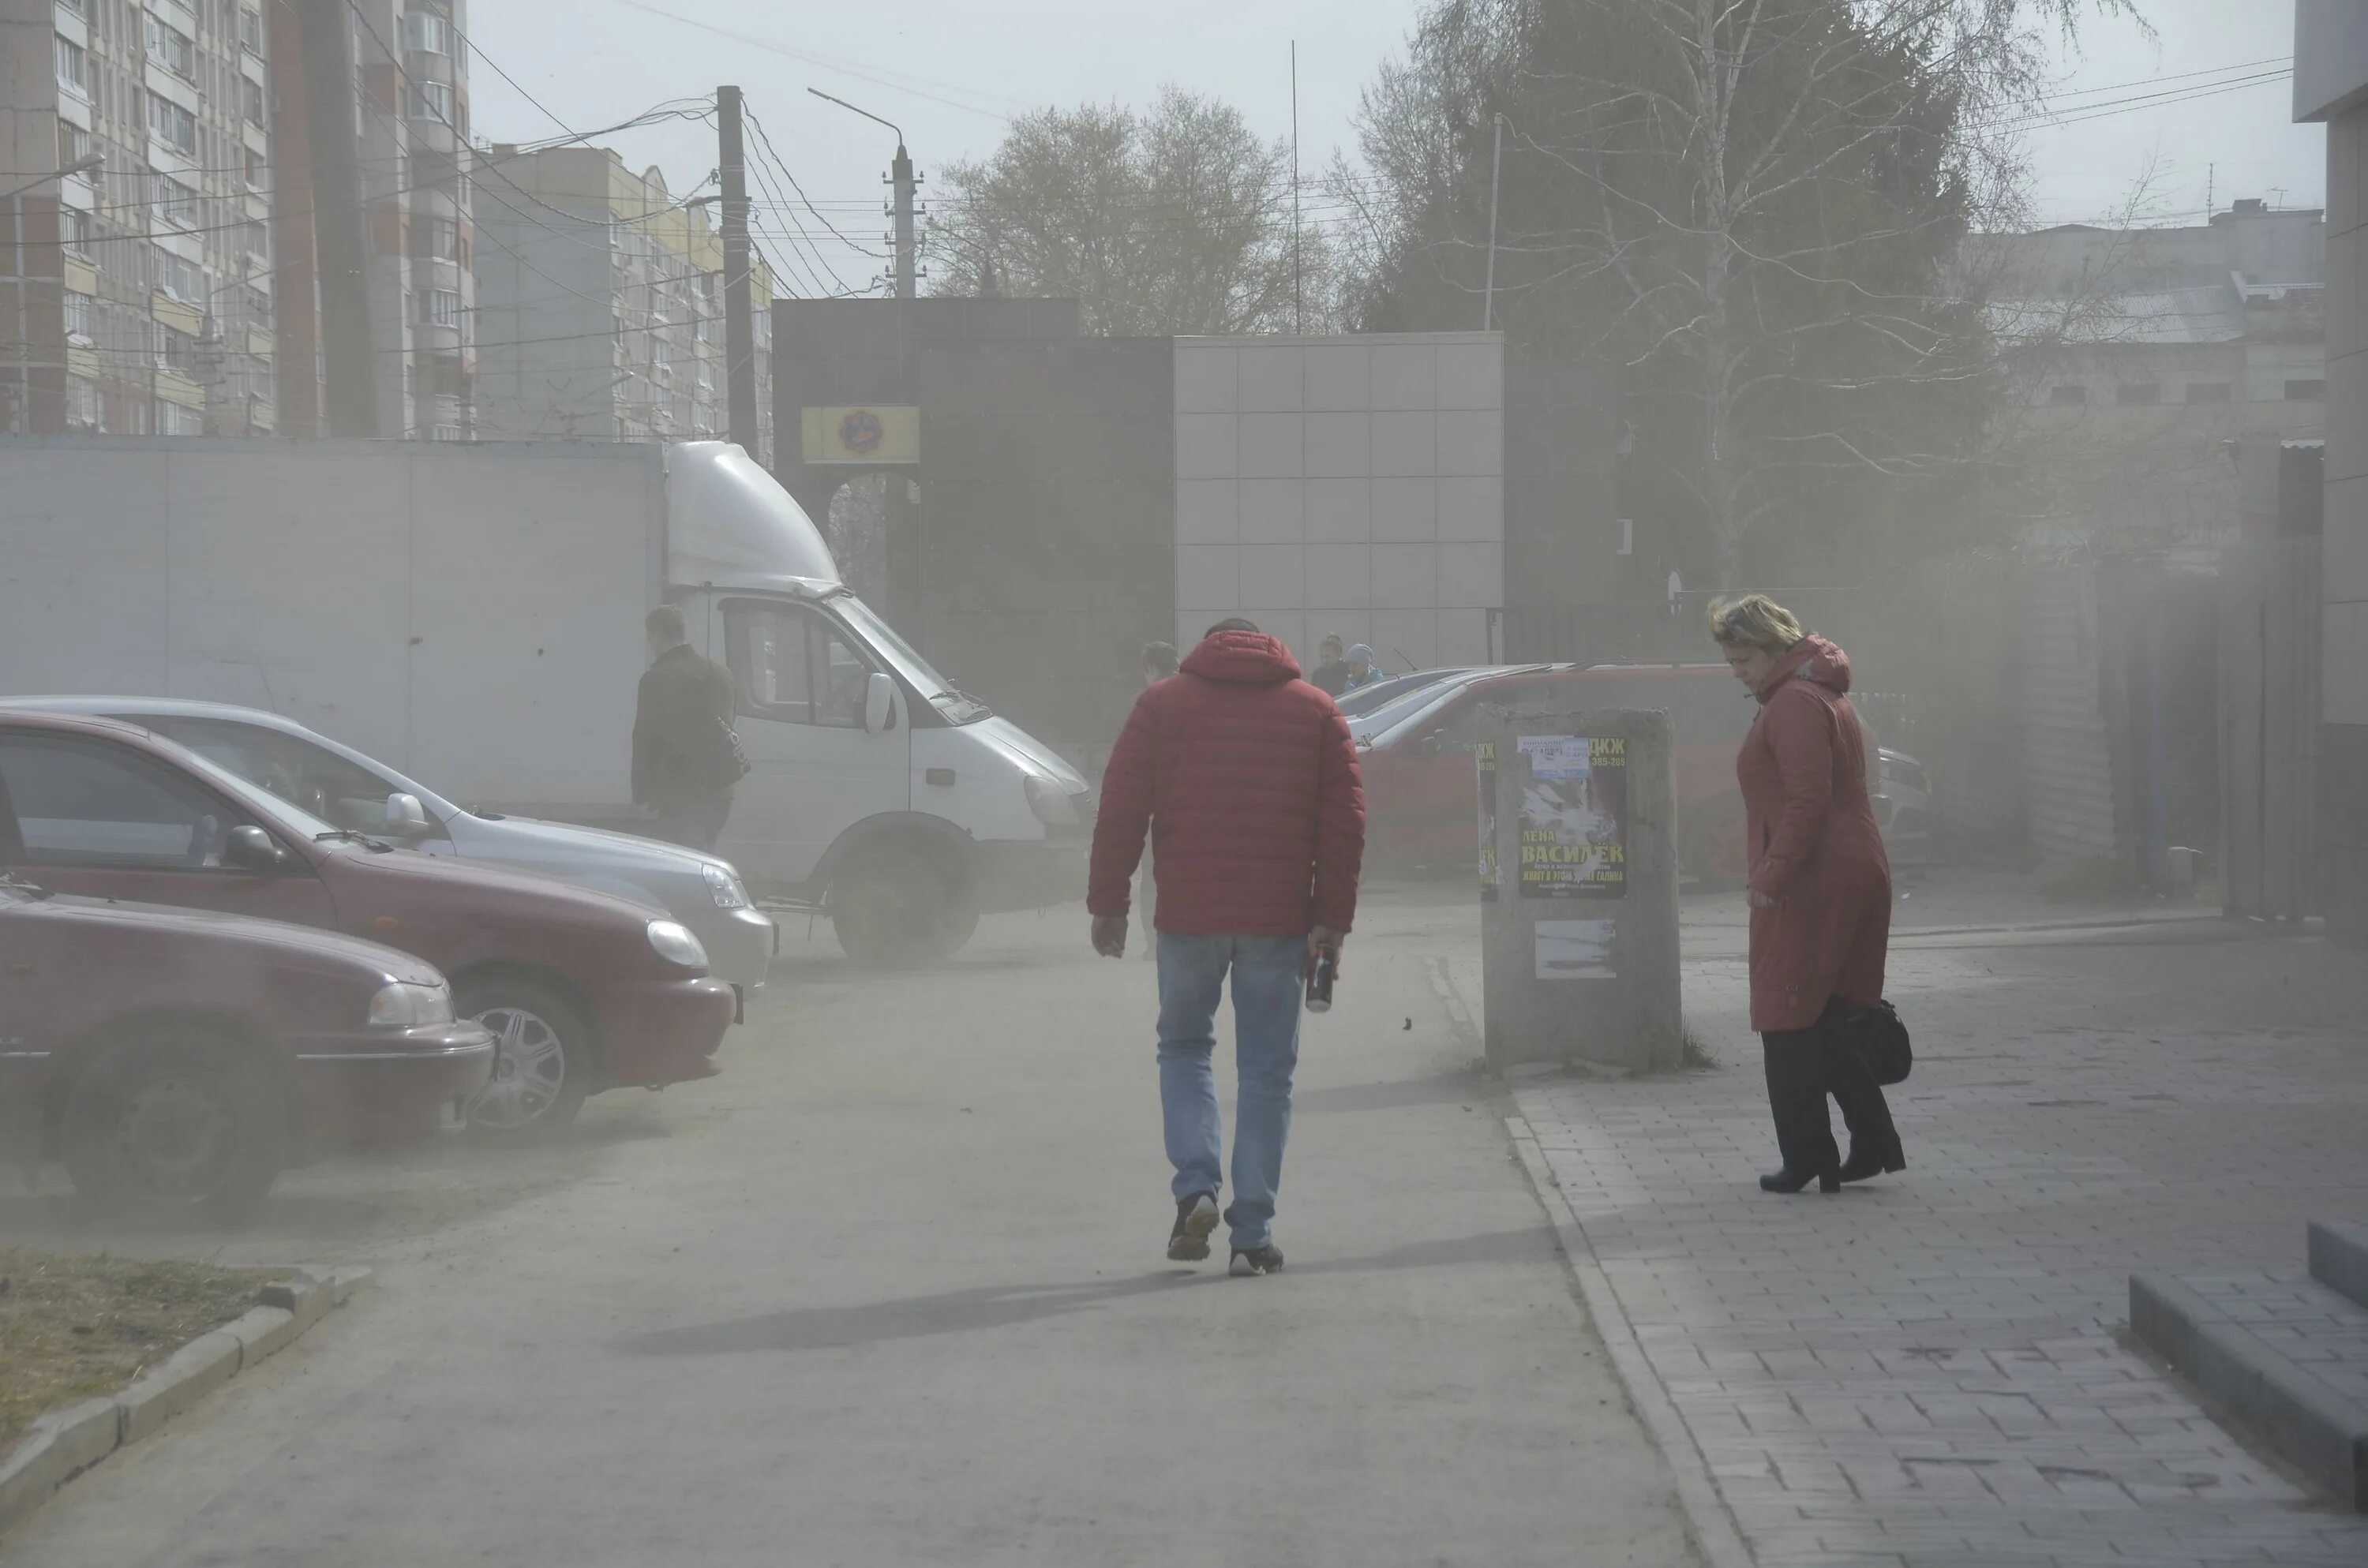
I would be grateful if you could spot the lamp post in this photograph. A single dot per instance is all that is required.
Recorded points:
(20, 414)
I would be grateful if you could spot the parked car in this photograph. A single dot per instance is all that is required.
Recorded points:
(350, 790)
(1421, 799)
(161, 1055)
(583, 990)
(1903, 799)
(1368, 698)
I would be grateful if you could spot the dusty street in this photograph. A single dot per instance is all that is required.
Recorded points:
(891, 1290)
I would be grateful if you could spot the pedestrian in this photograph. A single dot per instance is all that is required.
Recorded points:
(1331, 672)
(1245, 778)
(1819, 891)
(1158, 663)
(1361, 669)
(687, 757)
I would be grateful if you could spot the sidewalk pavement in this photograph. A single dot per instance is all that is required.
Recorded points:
(1928, 1368)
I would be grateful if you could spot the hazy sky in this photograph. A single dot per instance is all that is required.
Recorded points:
(947, 71)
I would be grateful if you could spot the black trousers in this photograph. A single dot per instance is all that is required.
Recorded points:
(695, 822)
(1804, 1067)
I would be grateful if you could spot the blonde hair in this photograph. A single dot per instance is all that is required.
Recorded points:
(1755, 620)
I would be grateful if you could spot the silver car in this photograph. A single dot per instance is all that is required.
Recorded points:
(354, 792)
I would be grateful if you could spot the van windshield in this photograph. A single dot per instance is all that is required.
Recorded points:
(955, 705)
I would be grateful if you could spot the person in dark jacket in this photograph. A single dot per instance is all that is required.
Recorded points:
(1245, 778)
(1331, 673)
(685, 760)
(1819, 891)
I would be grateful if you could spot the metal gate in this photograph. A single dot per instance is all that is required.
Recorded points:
(2269, 726)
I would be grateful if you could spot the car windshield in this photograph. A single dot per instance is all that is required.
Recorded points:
(1373, 728)
(310, 770)
(957, 705)
(278, 811)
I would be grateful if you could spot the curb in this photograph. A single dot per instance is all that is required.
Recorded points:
(62, 1444)
(1712, 1526)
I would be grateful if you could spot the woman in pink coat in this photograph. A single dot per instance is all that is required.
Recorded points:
(1820, 894)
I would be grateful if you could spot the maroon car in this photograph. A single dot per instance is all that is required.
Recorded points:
(583, 991)
(166, 1055)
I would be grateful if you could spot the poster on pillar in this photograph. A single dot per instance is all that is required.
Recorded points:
(1574, 817)
(1485, 755)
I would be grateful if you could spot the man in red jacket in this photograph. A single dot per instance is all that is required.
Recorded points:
(1247, 779)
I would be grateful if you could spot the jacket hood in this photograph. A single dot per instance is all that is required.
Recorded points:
(1242, 658)
(1812, 658)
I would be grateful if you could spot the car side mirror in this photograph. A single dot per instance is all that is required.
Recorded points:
(252, 849)
(405, 817)
(879, 703)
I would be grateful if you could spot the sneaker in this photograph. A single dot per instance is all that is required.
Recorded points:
(1250, 1261)
(1196, 1219)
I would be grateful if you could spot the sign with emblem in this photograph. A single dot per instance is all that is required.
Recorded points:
(879, 435)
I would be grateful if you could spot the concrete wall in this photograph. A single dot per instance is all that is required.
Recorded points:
(1348, 484)
(2332, 69)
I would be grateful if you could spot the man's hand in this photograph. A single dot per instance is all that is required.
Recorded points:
(1110, 936)
(1321, 938)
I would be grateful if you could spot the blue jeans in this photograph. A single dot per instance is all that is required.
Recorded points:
(1267, 982)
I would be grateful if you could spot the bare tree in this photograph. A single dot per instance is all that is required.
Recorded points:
(1752, 206)
(1175, 221)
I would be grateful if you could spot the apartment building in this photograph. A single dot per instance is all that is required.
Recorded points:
(136, 162)
(601, 304)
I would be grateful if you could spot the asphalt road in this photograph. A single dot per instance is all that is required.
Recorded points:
(892, 1290)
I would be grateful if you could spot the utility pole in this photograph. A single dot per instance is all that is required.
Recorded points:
(908, 253)
(1495, 168)
(1298, 291)
(341, 236)
(739, 319)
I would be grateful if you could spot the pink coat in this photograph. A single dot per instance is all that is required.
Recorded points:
(1813, 845)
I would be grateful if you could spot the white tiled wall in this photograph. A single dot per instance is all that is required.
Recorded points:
(1348, 484)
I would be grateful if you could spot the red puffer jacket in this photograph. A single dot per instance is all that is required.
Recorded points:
(1247, 780)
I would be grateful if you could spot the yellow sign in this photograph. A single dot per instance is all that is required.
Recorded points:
(883, 433)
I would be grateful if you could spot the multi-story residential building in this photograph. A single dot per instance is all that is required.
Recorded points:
(600, 305)
(414, 157)
(139, 293)
(2139, 358)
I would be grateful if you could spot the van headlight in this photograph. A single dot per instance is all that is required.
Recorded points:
(724, 887)
(1053, 806)
(672, 941)
(406, 1005)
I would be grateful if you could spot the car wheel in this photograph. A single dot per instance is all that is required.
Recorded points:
(890, 910)
(176, 1117)
(543, 1055)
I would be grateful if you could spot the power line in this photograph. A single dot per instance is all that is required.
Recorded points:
(825, 62)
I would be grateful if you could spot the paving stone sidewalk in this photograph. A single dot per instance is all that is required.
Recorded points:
(1927, 1369)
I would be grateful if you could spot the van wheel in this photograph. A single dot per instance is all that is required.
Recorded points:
(543, 1055)
(174, 1116)
(890, 910)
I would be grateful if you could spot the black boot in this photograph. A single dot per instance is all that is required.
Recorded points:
(1790, 1180)
(1861, 1166)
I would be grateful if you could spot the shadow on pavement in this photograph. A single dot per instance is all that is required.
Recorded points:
(1005, 1306)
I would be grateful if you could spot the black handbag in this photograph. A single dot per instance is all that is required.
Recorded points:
(1882, 1040)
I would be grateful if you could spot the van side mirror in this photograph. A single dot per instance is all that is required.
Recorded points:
(252, 849)
(879, 703)
(405, 817)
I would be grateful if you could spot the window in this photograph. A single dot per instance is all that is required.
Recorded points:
(184, 280)
(2067, 395)
(443, 432)
(82, 317)
(2207, 391)
(83, 404)
(250, 101)
(171, 420)
(177, 203)
(250, 30)
(175, 350)
(73, 67)
(791, 664)
(431, 100)
(74, 230)
(2311, 391)
(258, 240)
(438, 239)
(73, 144)
(255, 170)
(170, 47)
(89, 804)
(2137, 393)
(428, 33)
(441, 307)
(172, 124)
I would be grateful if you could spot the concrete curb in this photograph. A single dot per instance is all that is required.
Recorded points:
(63, 1443)
(1708, 1518)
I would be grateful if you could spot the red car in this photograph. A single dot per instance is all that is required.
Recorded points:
(1421, 787)
(168, 1056)
(584, 990)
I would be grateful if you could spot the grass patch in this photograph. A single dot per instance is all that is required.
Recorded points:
(75, 1329)
(1698, 1053)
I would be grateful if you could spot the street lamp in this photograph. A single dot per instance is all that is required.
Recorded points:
(79, 167)
(20, 414)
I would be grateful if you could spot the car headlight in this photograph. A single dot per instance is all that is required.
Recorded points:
(672, 941)
(724, 887)
(1053, 806)
(406, 1004)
